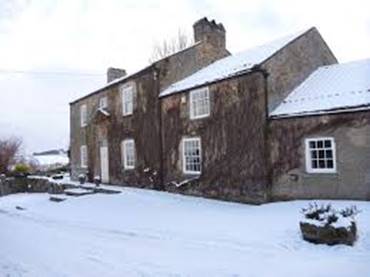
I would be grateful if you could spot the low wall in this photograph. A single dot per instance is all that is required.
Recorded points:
(28, 184)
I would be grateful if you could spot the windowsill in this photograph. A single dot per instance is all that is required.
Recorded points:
(321, 172)
(192, 173)
(126, 115)
(199, 117)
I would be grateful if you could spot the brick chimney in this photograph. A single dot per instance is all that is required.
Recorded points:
(210, 31)
(115, 73)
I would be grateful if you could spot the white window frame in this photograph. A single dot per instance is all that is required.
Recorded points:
(83, 156)
(196, 102)
(309, 159)
(125, 158)
(184, 165)
(127, 95)
(83, 115)
(103, 102)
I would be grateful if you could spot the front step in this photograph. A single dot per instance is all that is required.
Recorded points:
(78, 191)
(57, 197)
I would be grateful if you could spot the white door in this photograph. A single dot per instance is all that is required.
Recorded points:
(104, 164)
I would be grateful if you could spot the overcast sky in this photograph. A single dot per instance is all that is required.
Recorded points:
(81, 38)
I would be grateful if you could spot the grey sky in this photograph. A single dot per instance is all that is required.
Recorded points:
(90, 35)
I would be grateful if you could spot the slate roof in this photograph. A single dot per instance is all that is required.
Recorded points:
(330, 89)
(232, 65)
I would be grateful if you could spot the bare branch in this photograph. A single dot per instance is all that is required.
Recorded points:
(170, 46)
(9, 149)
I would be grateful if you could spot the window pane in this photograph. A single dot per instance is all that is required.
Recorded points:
(321, 154)
(320, 144)
(314, 154)
(312, 144)
(329, 154)
(314, 164)
(327, 143)
(321, 163)
(330, 164)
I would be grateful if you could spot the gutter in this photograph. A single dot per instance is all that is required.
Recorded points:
(265, 75)
(160, 124)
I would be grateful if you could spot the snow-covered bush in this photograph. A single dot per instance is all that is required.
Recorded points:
(324, 224)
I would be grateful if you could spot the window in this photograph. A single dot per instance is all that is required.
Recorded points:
(320, 155)
(83, 156)
(103, 103)
(127, 100)
(199, 103)
(192, 157)
(83, 115)
(128, 154)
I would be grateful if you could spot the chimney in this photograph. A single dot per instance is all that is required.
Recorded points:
(115, 73)
(210, 31)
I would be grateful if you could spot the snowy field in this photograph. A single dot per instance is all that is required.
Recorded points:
(147, 233)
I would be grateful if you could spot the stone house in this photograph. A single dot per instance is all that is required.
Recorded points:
(237, 127)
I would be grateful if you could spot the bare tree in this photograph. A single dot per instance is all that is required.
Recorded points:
(170, 46)
(9, 149)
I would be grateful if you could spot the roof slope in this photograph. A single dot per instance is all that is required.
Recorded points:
(132, 75)
(232, 65)
(330, 89)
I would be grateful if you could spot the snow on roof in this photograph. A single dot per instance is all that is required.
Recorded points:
(46, 160)
(231, 65)
(330, 89)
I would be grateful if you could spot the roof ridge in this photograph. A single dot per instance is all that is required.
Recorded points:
(230, 66)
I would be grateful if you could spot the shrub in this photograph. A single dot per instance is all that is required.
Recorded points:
(21, 169)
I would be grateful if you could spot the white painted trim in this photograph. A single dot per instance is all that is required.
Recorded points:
(309, 168)
(184, 158)
(124, 156)
(83, 115)
(103, 102)
(191, 95)
(83, 153)
(124, 91)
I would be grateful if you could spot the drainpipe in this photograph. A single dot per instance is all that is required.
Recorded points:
(159, 111)
(267, 151)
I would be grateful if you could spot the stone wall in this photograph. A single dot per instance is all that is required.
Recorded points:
(79, 135)
(351, 132)
(143, 125)
(31, 184)
(184, 63)
(110, 130)
(294, 63)
(232, 138)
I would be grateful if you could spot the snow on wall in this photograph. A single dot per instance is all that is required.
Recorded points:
(231, 65)
(330, 88)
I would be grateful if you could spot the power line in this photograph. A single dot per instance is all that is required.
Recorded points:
(5, 71)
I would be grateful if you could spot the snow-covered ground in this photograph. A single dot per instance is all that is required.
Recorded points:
(147, 233)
